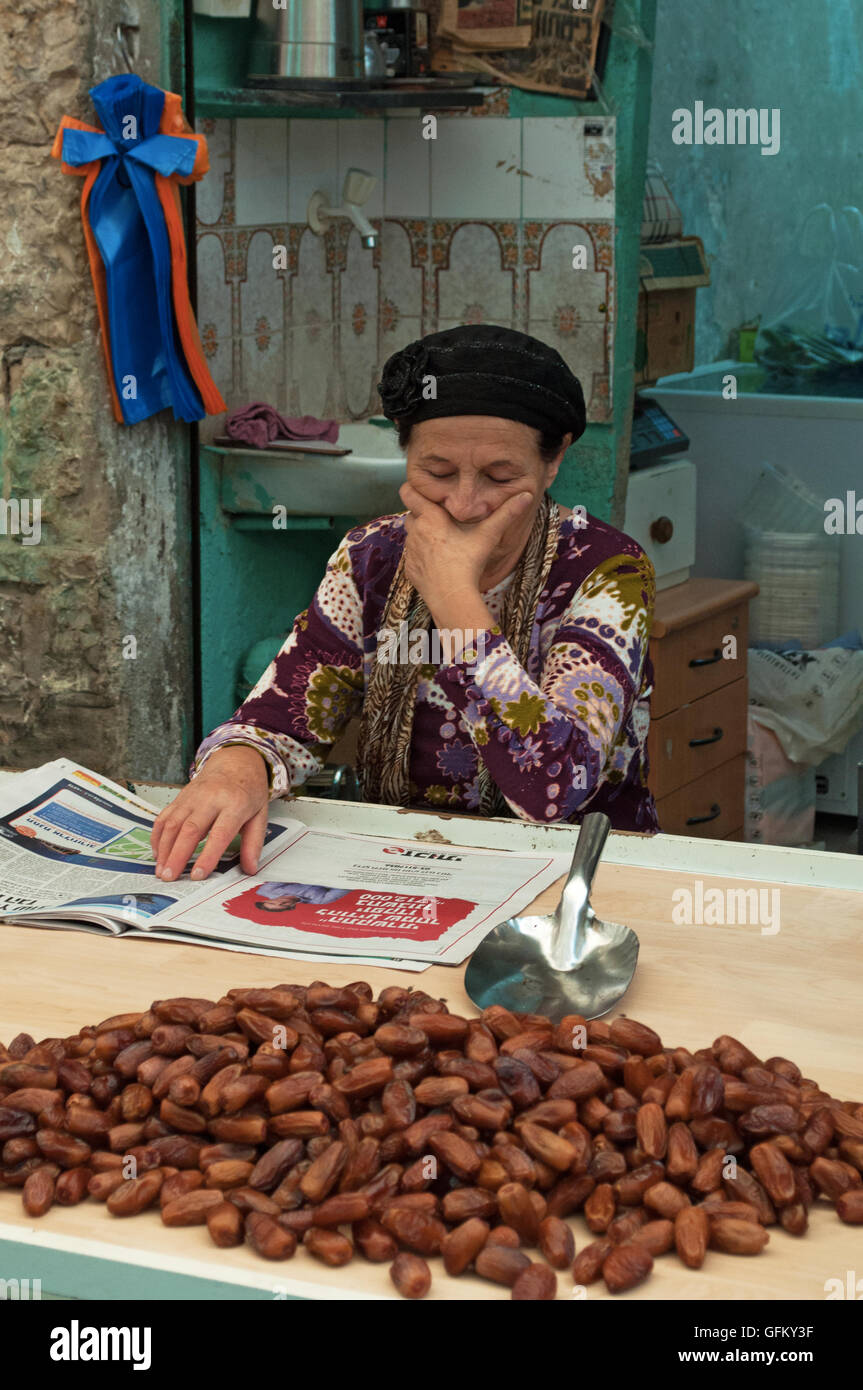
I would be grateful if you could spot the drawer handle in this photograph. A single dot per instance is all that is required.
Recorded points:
(707, 660)
(661, 530)
(700, 742)
(701, 820)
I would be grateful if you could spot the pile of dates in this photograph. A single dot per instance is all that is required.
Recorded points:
(392, 1129)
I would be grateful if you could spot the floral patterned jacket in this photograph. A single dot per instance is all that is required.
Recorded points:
(562, 736)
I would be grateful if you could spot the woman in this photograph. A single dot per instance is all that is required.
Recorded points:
(538, 705)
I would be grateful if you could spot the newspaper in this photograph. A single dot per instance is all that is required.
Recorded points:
(75, 854)
(370, 895)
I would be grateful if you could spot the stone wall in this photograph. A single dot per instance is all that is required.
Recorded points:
(112, 561)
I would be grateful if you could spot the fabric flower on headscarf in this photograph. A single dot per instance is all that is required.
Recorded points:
(401, 384)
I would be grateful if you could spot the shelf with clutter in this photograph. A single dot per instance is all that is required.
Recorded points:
(318, 58)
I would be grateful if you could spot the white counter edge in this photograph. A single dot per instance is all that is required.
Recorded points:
(677, 853)
(674, 853)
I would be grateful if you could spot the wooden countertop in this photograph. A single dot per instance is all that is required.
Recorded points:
(696, 599)
(794, 994)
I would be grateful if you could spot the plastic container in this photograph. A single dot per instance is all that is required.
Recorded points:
(788, 553)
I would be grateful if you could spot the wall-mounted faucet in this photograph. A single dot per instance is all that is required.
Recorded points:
(357, 190)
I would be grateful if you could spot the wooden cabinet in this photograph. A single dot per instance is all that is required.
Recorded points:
(696, 745)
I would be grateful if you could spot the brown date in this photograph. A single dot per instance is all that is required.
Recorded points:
(411, 1275)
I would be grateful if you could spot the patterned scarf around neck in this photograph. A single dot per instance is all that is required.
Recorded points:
(387, 720)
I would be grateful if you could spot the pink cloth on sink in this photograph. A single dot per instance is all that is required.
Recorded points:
(260, 424)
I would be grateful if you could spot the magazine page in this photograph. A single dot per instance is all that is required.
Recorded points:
(333, 892)
(82, 776)
(76, 846)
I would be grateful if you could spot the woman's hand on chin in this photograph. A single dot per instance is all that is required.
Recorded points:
(445, 561)
(231, 793)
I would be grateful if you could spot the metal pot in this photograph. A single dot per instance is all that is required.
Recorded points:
(308, 41)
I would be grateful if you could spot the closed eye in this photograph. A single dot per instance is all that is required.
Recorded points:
(442, 477)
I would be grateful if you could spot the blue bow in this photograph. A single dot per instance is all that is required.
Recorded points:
(128, 224)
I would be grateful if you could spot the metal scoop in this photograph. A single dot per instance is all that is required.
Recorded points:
(569, 963)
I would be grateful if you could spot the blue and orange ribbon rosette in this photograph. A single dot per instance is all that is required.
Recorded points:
(133, 229)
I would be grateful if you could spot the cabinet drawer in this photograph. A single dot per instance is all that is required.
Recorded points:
(691, 741)
(660, 515)
(688, 663)
(714, 803)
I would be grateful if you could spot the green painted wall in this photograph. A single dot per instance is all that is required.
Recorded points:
(252, 585)
(747, 208)
(596, 469)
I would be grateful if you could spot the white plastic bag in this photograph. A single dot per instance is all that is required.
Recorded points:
(780, 795)
(814, 321)
(813, 701)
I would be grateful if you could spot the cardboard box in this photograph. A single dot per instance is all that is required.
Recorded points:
(669, 274)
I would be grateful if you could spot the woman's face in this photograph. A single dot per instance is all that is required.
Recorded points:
(470, 464)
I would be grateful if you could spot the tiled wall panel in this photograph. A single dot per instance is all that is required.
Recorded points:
(481, 225)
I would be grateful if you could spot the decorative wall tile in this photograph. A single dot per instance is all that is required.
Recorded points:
(572, 308)
(214, 297)
(359, 376)
(401, 279)
(313, 163)
(582, 345)
(335, 240)
(211, 202)
(312, 388)
(358, 326)
(263, 367)
(262, 292)
(474, 282)
(311, 287)
(567, 173)
(261, 172)
(214, 322)
(551, 278)
(400, 315)
(361, 146)
(407, 188)
(475, 168)
(358, 283)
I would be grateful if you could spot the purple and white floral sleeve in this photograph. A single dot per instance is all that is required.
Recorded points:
(551, 736)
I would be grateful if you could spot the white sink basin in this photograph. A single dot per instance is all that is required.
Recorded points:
(364, 483)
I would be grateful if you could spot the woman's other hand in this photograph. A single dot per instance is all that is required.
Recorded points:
(231, 793)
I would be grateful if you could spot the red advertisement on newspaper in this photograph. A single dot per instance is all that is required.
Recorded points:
(349, 913)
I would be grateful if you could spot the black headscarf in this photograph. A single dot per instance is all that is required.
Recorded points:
(483, 369)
